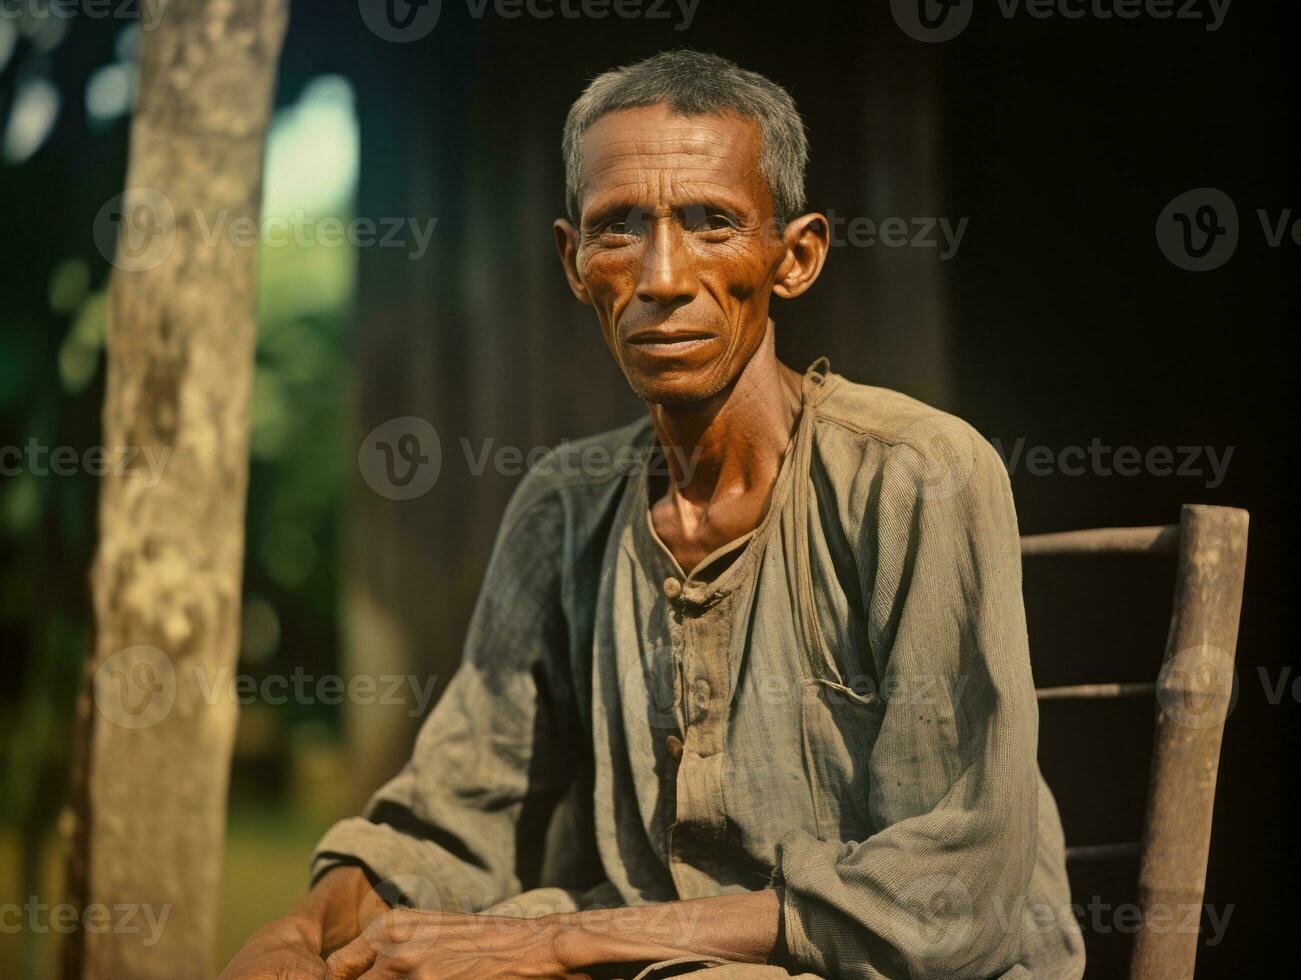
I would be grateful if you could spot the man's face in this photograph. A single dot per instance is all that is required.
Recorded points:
(676, 248)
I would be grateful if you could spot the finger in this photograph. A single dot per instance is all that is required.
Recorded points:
(351, 961)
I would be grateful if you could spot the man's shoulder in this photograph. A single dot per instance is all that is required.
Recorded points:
(864, 425)
(887, 417)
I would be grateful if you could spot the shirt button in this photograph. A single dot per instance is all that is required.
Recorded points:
(700, 692)
(672, 587)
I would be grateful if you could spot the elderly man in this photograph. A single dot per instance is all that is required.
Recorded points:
(754, 700)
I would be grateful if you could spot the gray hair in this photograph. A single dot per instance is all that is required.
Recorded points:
(695, 83)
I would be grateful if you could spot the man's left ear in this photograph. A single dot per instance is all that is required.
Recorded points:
(807, 239)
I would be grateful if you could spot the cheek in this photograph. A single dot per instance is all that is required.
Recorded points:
(744, 270)
(608, 274)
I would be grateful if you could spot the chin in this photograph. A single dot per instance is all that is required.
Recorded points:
(677, 387)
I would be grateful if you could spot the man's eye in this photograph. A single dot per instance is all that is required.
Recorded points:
(629, 225)
(710, 221)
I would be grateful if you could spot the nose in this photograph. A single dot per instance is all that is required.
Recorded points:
(666, 277)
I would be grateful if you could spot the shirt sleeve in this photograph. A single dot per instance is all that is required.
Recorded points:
(937, 889)
(462, 826)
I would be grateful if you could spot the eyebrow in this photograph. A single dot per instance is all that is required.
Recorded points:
(617, 206)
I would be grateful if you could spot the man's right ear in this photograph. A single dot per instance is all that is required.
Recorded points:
(567, 248)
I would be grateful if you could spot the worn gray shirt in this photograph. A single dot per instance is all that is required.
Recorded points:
(839, 704)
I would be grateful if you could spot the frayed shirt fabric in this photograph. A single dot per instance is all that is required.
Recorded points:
(838, 705)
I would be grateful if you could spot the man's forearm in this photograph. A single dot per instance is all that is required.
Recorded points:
(339, 906)
(744, 927)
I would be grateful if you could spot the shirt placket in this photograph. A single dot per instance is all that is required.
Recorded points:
(702, 623)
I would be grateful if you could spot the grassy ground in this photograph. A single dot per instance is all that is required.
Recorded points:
(265, 874)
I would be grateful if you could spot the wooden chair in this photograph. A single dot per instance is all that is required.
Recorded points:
(1192, 692)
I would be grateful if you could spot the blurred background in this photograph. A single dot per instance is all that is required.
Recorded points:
(1057, 320)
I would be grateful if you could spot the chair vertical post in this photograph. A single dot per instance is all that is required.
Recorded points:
(1194, 694)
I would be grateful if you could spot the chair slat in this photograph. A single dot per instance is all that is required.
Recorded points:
(1074, 692)
(1161, 540)
(1103, 852)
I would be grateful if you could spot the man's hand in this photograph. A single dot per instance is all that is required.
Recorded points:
(442, 946)
(282, 950)
(451, 946)
(333, 913)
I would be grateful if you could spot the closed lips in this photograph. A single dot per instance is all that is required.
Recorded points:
(664, 338)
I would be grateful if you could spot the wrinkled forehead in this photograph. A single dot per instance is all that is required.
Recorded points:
(651, 155)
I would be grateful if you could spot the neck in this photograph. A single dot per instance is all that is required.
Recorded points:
(731, 444)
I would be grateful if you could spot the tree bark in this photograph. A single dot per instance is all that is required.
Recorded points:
(158, 725)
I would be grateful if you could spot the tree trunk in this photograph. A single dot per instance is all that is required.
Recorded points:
(158, 728)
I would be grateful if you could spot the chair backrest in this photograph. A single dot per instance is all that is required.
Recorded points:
(1192, 692)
